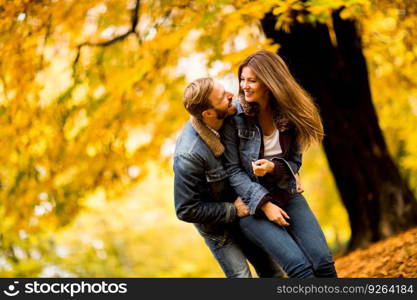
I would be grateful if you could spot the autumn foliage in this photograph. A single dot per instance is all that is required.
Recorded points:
(392, 258)
(90, 106)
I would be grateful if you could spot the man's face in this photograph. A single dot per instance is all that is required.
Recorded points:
(221, 101)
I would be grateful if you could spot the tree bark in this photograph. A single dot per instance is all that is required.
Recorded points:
(379, 202)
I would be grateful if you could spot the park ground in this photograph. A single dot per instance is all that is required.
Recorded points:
(390, 258)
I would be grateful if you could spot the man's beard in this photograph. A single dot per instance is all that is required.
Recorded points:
(221, 115)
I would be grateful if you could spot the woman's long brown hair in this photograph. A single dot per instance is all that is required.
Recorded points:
(292, 100)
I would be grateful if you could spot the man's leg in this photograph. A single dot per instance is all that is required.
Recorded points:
(230, 258)
(263, 263)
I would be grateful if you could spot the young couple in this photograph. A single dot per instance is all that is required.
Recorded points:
(237, 178)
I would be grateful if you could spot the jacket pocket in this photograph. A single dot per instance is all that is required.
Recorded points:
(246, 133)
(217, 240)
(217, 183)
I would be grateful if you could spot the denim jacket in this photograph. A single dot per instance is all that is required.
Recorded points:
(202, 192)
(242, 138)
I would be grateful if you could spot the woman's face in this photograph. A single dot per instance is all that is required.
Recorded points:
(255, 90)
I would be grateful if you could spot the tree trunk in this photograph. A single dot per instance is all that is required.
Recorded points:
(378, 201)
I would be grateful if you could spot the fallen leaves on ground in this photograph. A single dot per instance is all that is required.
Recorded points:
(390, 258)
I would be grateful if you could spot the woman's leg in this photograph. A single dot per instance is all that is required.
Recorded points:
(307, 232)
(263, 263)
(278, 243)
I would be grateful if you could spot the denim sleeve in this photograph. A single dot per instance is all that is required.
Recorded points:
(294, 160)
(250, 191)
(281, 169)
(188, 181)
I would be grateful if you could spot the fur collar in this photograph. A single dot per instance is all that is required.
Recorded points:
(208, 136)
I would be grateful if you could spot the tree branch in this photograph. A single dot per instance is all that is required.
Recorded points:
(134, 20)
(45, 40)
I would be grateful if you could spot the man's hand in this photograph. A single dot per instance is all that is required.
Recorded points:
(241, 208)
(262, 166)
(275, 214)
(300, 188)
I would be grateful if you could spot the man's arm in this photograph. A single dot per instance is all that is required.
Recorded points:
(188, 181)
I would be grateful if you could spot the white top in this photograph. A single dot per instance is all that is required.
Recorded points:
(272, 147)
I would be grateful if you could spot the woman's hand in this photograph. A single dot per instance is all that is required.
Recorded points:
(262, 166)
(300, 188)
(275, 214)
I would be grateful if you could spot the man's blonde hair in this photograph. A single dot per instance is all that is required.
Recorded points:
(196, 96)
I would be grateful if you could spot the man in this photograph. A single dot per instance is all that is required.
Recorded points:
(201, 190)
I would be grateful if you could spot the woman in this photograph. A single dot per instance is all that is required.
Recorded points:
(276, 120)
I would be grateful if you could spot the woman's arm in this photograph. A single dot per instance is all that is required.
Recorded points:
(251, 192)
(294, 157)
(290, 163)
(279, 170)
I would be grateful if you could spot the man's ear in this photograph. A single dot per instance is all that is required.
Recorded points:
(208, 113)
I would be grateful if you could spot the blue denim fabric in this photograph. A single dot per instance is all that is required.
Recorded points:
(299, 248)
(231, 259)
(203, 196)
(233, 253)
(242, 138)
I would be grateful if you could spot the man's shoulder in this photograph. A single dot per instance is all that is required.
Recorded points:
(189, 143)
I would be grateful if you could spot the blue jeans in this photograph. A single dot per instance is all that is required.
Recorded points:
(300, 248)
(232, 254)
